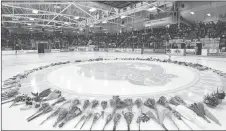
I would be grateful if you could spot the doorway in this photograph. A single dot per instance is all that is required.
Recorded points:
(199, 49)
(41, 48)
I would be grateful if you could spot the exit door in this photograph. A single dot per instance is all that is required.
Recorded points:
(199, 48)
(41, 48)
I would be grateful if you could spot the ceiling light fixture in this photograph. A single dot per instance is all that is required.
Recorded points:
(66, 23)
(208, 14)
(123, 16)
(104, 21)
(76, 17)
(92, 9)
(152, 9)
(35, 11)
(91, 26)
(57, 7)
(28, 24)
(31, 19)
(192, 12)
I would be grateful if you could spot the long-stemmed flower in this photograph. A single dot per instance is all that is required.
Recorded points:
(117, 118)
(104, 105)
(129, 117)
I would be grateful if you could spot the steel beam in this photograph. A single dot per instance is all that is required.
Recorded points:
(65, 15)
(61, 22)
(35, 3)
(58, 14)
(37, 24)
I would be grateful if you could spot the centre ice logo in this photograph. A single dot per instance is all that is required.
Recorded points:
(135, 73)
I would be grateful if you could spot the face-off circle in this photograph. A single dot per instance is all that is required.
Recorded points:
(122, 77)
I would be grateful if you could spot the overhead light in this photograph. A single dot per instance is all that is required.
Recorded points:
(81, 29)
(152, 9)
(208, 14)
(58, 7)
(31, 28)
(123, 16)
(192, 12)
(31, 19)
(104, 21)
(91, 26)
(76, 17)
(35, 11)
(92, 9)
(28, 24)
(66, 23)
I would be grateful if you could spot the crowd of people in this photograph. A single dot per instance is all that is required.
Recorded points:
(134, 39)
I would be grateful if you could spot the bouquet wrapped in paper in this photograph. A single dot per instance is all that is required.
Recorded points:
(139, 103)
(159, 121)
(38, 96)
(129, 117)
(117, 118)
(9, 93)
(44, 111)
(43, 106)
(17, 99)
(59, 100)
(53, 95)
(210, 115)
(129, 103)
(95, 103)
(142, 118)
(95, 119)
(86, 119)
(199, 110)
(86, 104)
(62, 114)
(189, 115)
(104, 105)
(117, 103)
(169, 114)
(177, 101)
(108, 119)
(73, 112)
(152, 104)
(163, 101)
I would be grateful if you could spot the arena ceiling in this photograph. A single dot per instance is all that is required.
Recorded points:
(72, 15)
(119, 4)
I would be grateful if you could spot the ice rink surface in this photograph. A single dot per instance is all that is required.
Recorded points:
(187, 82)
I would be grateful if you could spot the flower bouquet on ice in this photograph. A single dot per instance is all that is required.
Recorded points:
(104, 105)
(95, 119)
(142, 118)
(117, 118)
(128, 117)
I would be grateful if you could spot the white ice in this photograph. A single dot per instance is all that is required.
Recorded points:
(14, 119)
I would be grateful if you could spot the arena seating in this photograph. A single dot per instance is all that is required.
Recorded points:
(125, 39)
